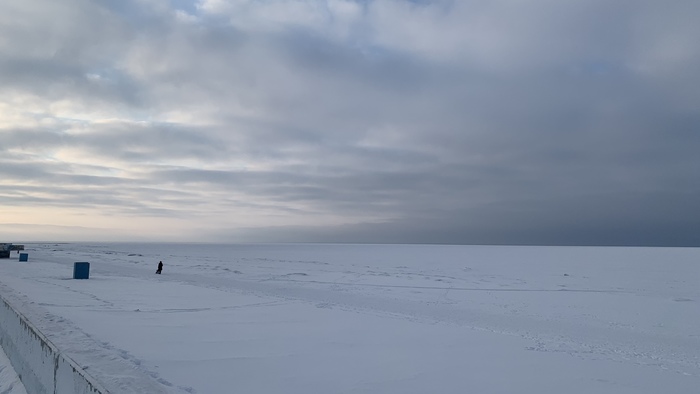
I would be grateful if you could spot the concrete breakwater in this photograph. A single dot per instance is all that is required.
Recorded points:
(41, 366)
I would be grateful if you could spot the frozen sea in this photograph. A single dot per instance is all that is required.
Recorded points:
(390, 319)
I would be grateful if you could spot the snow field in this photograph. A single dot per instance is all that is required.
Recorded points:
(370, 318)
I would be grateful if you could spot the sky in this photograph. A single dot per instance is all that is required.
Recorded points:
(383, 121)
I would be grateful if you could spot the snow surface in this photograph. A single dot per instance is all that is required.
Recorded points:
(369, 318)
(9, 381)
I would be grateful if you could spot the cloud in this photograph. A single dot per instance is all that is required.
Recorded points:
(357, 121)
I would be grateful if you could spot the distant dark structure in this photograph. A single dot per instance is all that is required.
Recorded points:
(5, 250)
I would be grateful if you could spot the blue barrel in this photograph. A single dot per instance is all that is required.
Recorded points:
(24, 257)
(81, 270)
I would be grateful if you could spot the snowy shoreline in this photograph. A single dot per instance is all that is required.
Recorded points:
(43, 368)
(371, 318)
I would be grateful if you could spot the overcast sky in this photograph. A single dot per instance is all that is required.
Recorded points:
(402, 121)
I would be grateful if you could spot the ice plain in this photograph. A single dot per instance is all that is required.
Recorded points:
(320, 318)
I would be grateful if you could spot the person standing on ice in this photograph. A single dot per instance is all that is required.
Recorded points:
(160, 268)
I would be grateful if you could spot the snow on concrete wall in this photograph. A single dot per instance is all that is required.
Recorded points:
(40, 365)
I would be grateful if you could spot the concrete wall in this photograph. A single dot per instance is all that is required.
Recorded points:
(40, 365)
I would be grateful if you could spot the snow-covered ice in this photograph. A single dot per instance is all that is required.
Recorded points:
(9, 381)
(369, 318)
